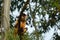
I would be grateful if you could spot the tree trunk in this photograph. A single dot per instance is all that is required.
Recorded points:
(6, 17)
(6, 11)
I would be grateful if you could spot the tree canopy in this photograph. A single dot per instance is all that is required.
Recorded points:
(42, 15)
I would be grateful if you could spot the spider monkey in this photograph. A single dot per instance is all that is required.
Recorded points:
(20, 25)
(21, 22)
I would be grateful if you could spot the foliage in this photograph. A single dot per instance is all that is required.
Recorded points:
(10, 35)
(57, 37)
(11, 21)
(49, 7)
(14, 5)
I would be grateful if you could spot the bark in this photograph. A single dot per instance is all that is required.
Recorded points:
(6, 17)
(6, 11)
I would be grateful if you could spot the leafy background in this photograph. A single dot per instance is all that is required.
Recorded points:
(43, 15)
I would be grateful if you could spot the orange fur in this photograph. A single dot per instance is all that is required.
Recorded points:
(22, 25)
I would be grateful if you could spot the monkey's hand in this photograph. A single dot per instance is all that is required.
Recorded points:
(25, 29)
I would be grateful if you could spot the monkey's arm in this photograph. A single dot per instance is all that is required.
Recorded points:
(16, 28)
(15, 31)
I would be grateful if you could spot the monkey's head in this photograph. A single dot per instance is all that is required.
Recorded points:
(23, 16)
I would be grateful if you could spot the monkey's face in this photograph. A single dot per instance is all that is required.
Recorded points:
(24, 17)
